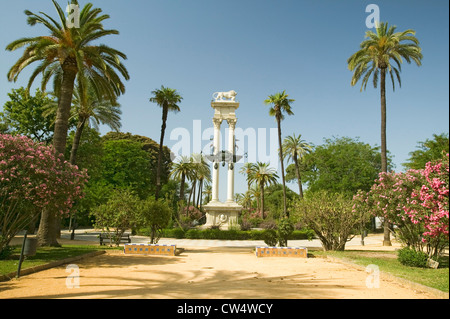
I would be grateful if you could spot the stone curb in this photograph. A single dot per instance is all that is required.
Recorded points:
(413, 285)
(31, 270)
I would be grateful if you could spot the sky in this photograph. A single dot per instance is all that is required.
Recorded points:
(259, 48)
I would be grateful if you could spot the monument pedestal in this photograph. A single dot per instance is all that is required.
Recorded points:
(225, 215)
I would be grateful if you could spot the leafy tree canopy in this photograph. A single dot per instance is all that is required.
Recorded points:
(152, 149)
(428, 151)
(24, 114)
(342, 165)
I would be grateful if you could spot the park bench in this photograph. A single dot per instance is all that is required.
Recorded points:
(123, 238)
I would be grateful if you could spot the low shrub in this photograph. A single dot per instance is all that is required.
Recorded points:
(412, 258)
(6, 252)
(232, 234)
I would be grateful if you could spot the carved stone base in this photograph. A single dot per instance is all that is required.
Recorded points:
(225, 215)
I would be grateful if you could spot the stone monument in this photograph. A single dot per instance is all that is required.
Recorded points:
(223, 214)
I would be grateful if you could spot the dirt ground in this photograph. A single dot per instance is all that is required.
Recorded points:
(208, 273)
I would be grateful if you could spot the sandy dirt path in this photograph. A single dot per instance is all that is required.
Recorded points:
(210, 273)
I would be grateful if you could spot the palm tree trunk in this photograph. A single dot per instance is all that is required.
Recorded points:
(48, 227)
(282, 166)
(183, 179)
(199, 196)
(161, 142)
(297, 172)
(262, 199)
(194, 184)
(64, 104)
(76, 141)
(387, 239)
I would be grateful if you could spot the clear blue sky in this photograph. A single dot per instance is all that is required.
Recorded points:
(260, 47)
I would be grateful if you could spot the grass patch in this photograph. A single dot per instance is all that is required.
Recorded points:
(44, 255)
(388, 263)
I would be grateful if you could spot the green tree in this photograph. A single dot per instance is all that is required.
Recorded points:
(273, 199)
(429, 151)
(121, 212)
(342, 165)
(126, 165)
(156, 215)
(331, 216)
(374, 59)
(24, 114)
(263, 175)
(295, 148)
(62, 54)
(281, 104)
(167, 99)
(152, 148)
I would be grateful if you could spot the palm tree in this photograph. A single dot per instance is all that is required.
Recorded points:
(263, 175)
(200, 172)
(374, 59)
(167, 99)
(182, 170)
(66, 52)
(246, 169)
(208, 193)
(281, 104)
(295, 148)
(62, 54)
(246, 199)
(255, 192)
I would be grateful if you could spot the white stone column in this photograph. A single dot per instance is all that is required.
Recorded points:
(215, 175)
(230, 188)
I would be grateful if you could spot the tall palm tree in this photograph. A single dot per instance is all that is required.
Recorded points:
(295, 148)
(62, 54)
(263, 175)
(281, 104)
(167, 99)
(374, 59)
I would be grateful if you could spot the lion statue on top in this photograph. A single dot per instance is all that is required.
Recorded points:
(220, 96)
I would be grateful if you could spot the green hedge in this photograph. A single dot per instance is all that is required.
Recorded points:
(232, 234)
(412, 258)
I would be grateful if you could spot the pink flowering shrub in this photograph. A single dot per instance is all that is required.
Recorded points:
(428, 205)
(192, 213)
(32, 177)
(416, 202)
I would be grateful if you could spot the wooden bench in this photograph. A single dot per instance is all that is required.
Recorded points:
(123, 238)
